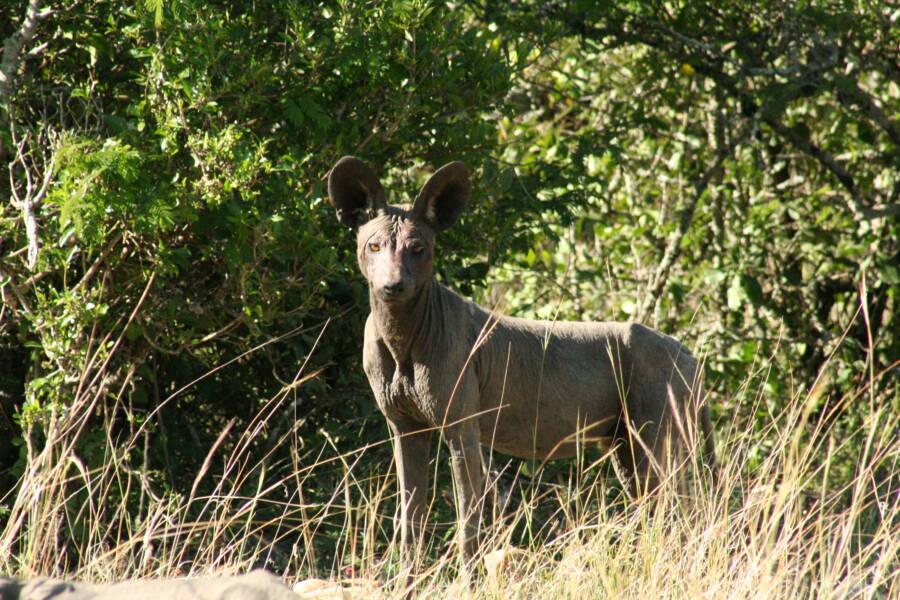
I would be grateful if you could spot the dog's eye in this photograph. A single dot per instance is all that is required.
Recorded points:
(417, 249)
(374, 246)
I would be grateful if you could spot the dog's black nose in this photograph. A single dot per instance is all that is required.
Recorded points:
(392, 289)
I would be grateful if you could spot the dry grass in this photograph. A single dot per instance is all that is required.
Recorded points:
(790, 516)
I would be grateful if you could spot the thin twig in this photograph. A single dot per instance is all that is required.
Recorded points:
(673, 248)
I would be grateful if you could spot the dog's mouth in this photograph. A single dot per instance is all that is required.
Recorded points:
(394, 295)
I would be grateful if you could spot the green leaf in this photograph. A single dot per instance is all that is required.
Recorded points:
(292, 113)
(736, 295)
(776, 97)
(752, 289)
(155, 7)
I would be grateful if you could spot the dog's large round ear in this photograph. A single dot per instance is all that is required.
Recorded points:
(355, 192)
(444, 197)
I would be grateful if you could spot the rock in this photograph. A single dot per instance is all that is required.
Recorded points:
(256, 585)
(321, 589)
(503, 565)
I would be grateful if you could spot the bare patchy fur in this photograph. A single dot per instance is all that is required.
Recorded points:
(439, 362)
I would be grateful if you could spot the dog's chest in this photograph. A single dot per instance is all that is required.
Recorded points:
(408, 393)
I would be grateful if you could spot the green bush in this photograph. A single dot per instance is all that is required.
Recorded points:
(729, 175)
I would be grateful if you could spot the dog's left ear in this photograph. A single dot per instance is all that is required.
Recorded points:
(444, 196)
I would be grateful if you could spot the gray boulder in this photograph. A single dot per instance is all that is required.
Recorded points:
(256, 585)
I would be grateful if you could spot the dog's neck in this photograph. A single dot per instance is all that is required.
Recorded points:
(403, 326)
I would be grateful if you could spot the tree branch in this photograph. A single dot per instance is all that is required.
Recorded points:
(686, 216)
(712, 64)
(857, 203)
(12, 46)
(33, 194)
(9, 66)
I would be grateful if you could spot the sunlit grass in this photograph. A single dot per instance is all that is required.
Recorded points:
(799, 509)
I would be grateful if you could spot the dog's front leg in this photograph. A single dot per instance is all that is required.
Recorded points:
(465, 455)
(412, 448)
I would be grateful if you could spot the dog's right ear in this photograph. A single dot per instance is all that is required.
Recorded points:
(355, 192)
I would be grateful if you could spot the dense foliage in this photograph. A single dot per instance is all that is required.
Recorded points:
(734, 175)
(187, 148)
(169, 262)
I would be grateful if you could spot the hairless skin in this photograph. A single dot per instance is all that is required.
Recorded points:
(438, 362)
